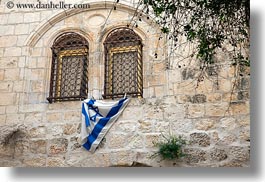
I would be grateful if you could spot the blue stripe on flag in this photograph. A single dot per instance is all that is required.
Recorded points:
(115, 109)
(85, 114)
(100, 125)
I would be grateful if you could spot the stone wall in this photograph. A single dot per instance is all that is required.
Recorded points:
(35, 133)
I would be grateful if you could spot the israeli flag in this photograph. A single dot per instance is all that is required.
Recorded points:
(97, 118)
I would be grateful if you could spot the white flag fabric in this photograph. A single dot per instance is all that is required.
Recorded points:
(97, 118)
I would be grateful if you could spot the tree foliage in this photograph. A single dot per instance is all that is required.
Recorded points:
(210, 24)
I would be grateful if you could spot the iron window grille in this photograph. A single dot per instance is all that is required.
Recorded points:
(69, 69)
(123, 64)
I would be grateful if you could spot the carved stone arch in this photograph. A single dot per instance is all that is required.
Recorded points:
(62, 30)
(49, 22)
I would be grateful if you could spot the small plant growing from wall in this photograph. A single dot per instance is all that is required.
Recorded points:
(170, 148)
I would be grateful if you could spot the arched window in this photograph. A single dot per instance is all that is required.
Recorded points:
(69, 69)
(123, 64)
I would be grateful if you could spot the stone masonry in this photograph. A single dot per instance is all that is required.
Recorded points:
(212, 114)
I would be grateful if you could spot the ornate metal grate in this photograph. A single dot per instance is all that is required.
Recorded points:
(123, 64)
(69, 73)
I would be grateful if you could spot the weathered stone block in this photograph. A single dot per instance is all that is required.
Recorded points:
(69, 129)
(35, 162)
(55, 162)
(224, 85)
(229, 97)
(21, 148)
(15, 18)
(243, 84)
(183, 125)
(205, 86)
(205, 124)
(11, 74)
(2, 109)
(8, 162)
(31, 17)
(228, 139)
(6, 152)
(75, 143)
(12, 51)
(136, 112)
(127, 126)
(15, 118)
(37, 86)
(38, 146)
(240, 153)
(2, 72)
(33, 118)
(65, 106)
(36, 52)
(159, 67)
(243, 95)
(101, 160)
(200, 139)
(55, 130)
(212, 70)
(7, 30)
(228, 123)
(216, 109)
(152, 112)
(188, 74)
(195, 110)
(181, 99)
(135, 142)
(21, 40)
(214, 136)
(3, 19)
(245, 135)
(150, 139)
(73, 116)
(145, 126)
(122, 158)
(22, 29)
(240, 108)
(174, 76)
(214, 97)
(218, 154)
(161, 126)
(231, 71)
(233, 163)
(244, 121)
(54, 117)
(11, 62)
(6, 86)
(37, 132)
(117, 141)
(8, 41)
(194, 156)
(184, 88)
(173, 112)
(11, 109)
(58, 146)
(160, 91)
(37, 74)
(33, 108)
(198, 98)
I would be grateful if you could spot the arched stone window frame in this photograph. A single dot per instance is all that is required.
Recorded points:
(123, 63)
(69, 68)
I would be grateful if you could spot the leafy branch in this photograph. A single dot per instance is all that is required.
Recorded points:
(209, 24)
